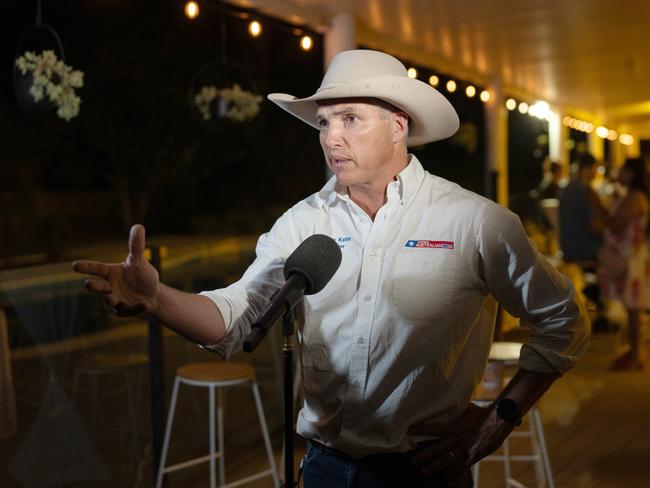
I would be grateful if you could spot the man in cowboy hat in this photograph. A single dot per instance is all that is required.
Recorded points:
(394, 345)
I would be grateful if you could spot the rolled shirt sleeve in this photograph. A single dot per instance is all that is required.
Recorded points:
(242, 302)
(529, 287)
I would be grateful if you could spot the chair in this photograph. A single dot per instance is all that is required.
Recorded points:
(507, 354)
(215, 375)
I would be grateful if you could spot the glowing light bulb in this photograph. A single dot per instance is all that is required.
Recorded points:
(470, 91)
(255, 28)
(626, 139)
(602, 132)
(541, 110)
(191, 10)
(567, 121)
(434, 80)
(451, 86)
(485, 96)
(412, 73)
(523, 107)
(306, 43)
(511, 104)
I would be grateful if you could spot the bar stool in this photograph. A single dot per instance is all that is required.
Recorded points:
(507, 354)
(215, 375)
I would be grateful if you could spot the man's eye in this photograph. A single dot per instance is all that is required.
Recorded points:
(349, 118)
(322, 123)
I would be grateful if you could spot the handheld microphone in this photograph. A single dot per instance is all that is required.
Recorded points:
(307, 270)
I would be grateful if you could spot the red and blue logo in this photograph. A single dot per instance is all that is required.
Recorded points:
(430, 244)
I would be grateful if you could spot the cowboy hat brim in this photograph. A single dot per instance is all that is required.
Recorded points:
(432, 116)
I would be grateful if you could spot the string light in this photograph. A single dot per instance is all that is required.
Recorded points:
(306, 43)
(470, 91)
(451, 86)
(612, 135)
(412, 73)
(255, 28)
(523, 107)
(434, 80)
(541, 110)
(511, 104)
(191, 10)
(602, 132)
(626, 139)
(485, 96)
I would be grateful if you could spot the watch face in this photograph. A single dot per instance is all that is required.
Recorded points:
(509, 411)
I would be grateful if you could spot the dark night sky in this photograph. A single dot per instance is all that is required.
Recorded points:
(136, 134)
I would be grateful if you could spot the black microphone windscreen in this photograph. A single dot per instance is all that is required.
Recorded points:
(317, 258)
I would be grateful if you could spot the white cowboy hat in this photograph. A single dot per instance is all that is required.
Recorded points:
(365, 73)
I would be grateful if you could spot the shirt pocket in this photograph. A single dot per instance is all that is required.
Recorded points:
(423, 284)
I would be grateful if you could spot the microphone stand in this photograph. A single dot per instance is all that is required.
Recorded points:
(288, 329)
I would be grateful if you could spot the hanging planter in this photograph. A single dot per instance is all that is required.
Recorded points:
(223, 95)
(43, 83)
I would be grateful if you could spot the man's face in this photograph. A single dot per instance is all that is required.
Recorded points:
(357, 137)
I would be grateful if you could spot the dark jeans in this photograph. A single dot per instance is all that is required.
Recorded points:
(328, 468)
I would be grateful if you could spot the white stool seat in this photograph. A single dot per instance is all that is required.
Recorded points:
(214, 375)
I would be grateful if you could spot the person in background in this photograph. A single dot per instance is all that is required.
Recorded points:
(624, 261)
(545, 198)
(582, 223)
(550, 185)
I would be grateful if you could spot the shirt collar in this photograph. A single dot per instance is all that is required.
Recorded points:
(408, 181)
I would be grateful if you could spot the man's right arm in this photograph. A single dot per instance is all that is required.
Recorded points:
(195, 317)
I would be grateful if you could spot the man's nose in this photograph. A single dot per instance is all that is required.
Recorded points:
(333, 135)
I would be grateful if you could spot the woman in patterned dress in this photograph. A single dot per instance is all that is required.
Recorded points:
(625, 260)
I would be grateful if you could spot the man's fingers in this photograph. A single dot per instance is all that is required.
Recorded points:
(98, 285)
(434, 429)
(436, 450)
(450, 462)
(92, 268)
(136, 242)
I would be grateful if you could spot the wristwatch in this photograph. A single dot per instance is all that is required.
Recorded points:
(508, 410)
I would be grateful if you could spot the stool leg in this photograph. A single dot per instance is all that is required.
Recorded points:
(221, 443)
(506, 460)
(542, 442)
(537, 453)
(168, 430)
(265, 433)
(213, 481)
(475, 473)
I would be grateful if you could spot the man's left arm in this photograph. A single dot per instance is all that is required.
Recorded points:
(529, 287)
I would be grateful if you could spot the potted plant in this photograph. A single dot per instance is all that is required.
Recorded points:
(50, 79)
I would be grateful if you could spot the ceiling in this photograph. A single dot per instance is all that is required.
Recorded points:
(589, 58)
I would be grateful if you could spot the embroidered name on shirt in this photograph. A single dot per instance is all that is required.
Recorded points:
(430, 244)
(343, 240)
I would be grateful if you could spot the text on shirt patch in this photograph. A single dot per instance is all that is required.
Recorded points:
(430, 244)
(343, 240)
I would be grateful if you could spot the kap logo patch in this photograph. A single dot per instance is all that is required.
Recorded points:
(430, 244)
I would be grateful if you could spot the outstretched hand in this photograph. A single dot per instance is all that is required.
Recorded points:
(462, 443)
(129, 287)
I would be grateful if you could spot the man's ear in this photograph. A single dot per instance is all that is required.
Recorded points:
(400, 126)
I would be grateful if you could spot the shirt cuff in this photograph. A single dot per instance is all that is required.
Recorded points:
(222, 348)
